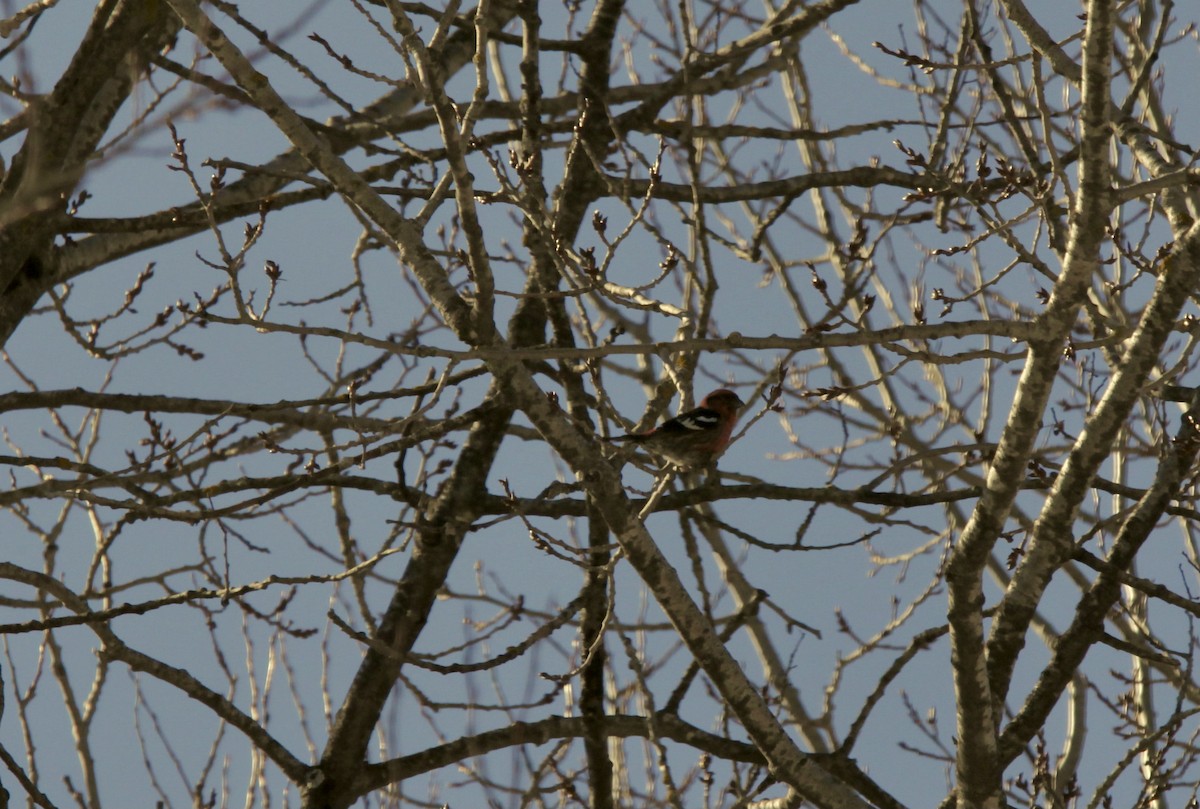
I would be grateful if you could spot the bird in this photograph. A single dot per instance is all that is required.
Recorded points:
(696, 438)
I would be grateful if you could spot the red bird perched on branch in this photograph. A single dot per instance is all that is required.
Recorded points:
(695, 438)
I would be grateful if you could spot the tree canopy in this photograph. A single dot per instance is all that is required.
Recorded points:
(317, 320)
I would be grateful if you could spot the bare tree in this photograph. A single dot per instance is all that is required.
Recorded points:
(316, 321)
